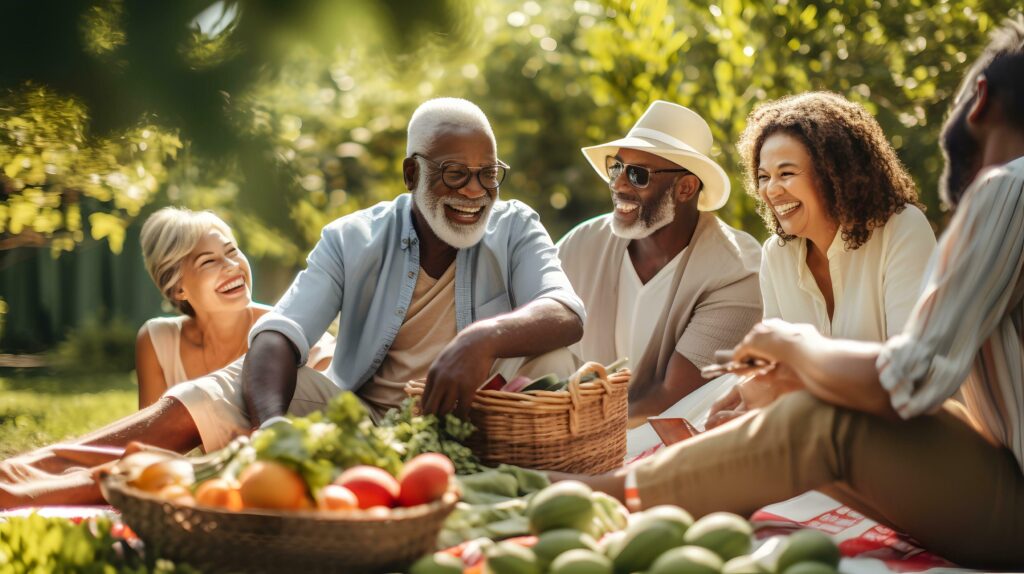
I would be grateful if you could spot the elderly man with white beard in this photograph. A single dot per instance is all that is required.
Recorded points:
(439, 284)
(446, 283)
(665, 282)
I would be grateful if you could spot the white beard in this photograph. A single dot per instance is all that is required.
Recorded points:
(454, 234)
(664, 214)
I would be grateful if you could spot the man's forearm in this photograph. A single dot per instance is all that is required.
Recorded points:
(536, 328)
(843, 373)
(268, 376)
(681, 379)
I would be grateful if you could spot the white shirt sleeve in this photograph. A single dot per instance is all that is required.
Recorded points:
(965, 297)
(909, 247)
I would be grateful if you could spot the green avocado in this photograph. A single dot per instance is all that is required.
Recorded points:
(687, 560)
(808, 545)
(438, 563)
(723, 533)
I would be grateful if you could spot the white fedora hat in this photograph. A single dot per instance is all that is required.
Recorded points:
(679, 135)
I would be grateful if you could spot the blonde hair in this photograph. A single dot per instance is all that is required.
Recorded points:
(168, 236)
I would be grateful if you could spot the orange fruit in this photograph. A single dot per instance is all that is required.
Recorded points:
(176, 493)
(219, 493)
(335, 497)
(271, 485)
(164, 473)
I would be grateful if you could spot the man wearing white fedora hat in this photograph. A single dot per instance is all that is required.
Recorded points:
(664, 281)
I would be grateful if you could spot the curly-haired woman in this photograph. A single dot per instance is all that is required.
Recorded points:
(850, 245)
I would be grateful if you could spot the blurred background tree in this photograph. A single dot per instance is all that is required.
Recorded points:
(284, 116)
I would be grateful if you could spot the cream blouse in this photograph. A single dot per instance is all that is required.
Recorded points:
(874, 286)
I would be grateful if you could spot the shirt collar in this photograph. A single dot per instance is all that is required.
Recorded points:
(838, 245)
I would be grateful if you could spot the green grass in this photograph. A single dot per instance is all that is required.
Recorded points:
(39, 409)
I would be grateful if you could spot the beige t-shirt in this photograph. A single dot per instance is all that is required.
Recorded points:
(429, 325)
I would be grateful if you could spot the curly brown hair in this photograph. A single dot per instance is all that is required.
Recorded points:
(861, 180)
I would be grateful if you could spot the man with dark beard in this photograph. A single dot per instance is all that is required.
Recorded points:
(664, 281)
(447, 284)
(873, 425)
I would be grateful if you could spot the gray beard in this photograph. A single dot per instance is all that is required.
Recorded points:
(432, 208)
(663, 214)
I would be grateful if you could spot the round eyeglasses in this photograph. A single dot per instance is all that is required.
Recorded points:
(456, 175)
(638, 175)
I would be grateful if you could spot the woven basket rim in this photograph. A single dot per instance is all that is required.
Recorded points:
(530, 398)
(450, 498)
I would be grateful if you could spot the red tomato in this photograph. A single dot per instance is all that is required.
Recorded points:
(372, 486)
(425, 479)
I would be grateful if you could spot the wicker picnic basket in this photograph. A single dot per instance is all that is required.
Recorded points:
(581, 429)
(270, 541)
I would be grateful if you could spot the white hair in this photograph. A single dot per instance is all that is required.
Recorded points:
(433, 115)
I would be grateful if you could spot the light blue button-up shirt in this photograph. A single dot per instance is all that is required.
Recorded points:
(365, 267)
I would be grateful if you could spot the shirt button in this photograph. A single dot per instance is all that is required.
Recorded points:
(400, 312)
(411, 274)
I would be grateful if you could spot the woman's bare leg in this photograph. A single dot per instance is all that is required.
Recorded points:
(41, 477)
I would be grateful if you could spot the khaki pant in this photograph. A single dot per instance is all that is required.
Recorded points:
(933, 477)
(218, 408)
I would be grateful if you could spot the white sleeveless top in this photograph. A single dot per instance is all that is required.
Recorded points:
(165, 333)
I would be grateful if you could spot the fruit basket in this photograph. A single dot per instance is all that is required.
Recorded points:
(218, 540)
(581, 429)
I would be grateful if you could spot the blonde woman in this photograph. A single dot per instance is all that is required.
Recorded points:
(195, 262)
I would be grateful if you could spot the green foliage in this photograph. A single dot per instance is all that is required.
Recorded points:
(319, 93)
(570, 74)
(36, 410)
(60, 184)
(37, 544)
(97, 347)
(902, 60)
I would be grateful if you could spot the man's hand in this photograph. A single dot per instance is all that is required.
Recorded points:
(457, 373)
(726, 408)
(775, 341)
(762, 387)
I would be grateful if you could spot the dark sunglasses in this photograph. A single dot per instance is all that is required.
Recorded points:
(456, 175)
(638, 175)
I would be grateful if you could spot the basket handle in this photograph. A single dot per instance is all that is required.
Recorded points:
(574, 406)
(606, 402)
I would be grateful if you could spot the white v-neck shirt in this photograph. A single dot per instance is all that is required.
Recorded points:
(640, 305)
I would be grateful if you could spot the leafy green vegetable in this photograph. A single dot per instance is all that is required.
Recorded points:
(320, 449)
(493, 505)
(413, 434)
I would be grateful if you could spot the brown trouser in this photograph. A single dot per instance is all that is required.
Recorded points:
(933, 477)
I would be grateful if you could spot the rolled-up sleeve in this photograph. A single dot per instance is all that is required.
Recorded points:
(313, 299)
(720, 320)
(536, 269)
(977, 267)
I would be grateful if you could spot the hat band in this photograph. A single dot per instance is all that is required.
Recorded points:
(662, 137)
